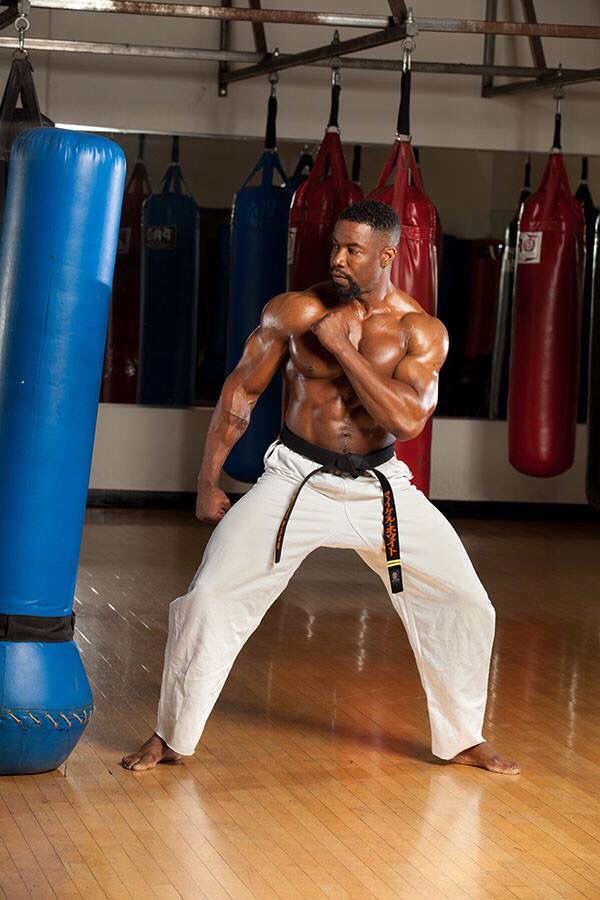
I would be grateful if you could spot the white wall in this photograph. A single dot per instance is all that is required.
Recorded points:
(153, 449)
(173, 96)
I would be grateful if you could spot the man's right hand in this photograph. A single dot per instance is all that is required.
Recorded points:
(211, 503)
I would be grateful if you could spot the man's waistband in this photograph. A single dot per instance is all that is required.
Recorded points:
(353, 464)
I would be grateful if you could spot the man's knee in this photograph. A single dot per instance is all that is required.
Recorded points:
(476, 597)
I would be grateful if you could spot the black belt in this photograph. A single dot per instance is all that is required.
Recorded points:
(48, 629)
(353, 464)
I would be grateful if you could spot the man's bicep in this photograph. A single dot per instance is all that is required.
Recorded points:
(265, 351)
(425, 356)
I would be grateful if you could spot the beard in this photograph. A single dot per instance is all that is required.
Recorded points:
(347, 290)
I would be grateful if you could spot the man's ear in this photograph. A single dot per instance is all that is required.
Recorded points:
(388, 255)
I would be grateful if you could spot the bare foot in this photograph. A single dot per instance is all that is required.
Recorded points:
(483, 756)
(151, 753)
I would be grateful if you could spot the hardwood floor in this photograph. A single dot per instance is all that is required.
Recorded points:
(314, 776)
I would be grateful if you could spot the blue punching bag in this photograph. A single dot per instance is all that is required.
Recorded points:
(169, 293)
(258, 272)
(59, 241)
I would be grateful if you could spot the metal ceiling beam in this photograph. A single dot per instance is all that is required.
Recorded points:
(329, 19)
(489, 44)
(537, 50)
(258, 30)
(8, 16)
(243, 56)
(539, 60)
(399, 10)
(544, 82)
(342, 48)
(444, 68)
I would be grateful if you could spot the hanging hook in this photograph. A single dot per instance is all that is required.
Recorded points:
(559, 92)
(335, 60)
(22, 23)
(274, 76)
(409, 43)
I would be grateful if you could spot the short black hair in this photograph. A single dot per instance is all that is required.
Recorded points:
(378, 215)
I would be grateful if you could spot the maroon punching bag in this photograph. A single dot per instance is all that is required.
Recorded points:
(544, 365)
(119, 380)
(317, 204)
(415, 269)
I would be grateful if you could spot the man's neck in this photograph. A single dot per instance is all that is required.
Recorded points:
(377, 298)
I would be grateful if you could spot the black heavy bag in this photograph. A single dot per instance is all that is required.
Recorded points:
(481, 325)
(593, 460)
(169, 290)
(501, 355)
(357, 164)
(121, 360)
(259, 228)
(590, 214)
(14, 119)
(453, 310)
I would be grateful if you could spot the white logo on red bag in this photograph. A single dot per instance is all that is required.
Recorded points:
(530, 247)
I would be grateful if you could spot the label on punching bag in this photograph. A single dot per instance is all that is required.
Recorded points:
(291, 245)
(160, 237)
(530, 247)
(124, 240)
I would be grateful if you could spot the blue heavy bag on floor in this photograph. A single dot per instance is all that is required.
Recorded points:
(258, 270)
(58, 247)
(169, 293)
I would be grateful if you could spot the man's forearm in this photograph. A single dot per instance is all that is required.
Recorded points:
(225, 429)
(394, 406)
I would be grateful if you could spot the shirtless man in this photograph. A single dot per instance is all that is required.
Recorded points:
(361, 362)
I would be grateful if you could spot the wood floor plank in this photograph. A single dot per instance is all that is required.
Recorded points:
(314, 776)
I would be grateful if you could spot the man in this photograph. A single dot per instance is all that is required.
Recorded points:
(361, 361)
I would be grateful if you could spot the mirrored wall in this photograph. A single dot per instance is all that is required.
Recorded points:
(476, 193)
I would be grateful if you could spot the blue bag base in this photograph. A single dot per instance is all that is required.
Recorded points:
(45, 705)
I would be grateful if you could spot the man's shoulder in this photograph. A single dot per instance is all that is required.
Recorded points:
(426, 334)
(293, 309)
(414, 318)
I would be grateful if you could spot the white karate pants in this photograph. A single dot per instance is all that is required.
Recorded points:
(445, 609)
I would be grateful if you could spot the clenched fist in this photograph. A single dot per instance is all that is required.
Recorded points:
(211, 503)
(336, 330)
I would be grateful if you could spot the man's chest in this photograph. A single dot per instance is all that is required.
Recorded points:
(382, 343)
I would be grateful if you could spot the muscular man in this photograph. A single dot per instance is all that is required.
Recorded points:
(361, 362)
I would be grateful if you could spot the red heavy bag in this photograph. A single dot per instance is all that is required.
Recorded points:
(119, 380)
(415, 269)
(316, 206)
(544, 365)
